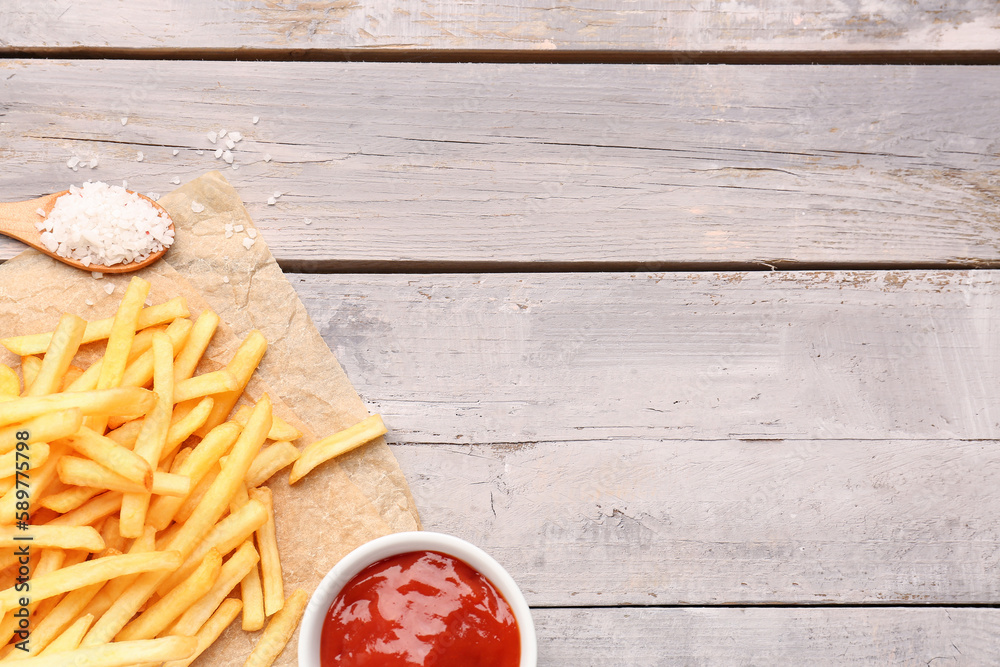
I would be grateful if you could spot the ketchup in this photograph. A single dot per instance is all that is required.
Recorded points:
(424, 609)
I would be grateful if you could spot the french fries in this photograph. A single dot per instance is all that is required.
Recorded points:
(142, 532)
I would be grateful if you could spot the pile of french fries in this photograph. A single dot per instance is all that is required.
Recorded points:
(135, 525)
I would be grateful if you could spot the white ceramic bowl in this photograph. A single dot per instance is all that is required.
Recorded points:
(400, 543)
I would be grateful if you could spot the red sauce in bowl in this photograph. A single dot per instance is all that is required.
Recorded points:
(424, 609)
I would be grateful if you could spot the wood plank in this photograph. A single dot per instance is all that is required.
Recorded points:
(692, 438)
(711, 637)
(524, 25)
(668, 522)
(708, 356)
(517, 165)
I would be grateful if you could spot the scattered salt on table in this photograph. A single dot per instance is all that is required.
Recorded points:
(309, 221)
(109, 288)
(196, 207)
(124, 120)
(212, 137)
(238, 228)
(255, 119)
(267, 157)
(236, 137)
(139, 156)
(271, 201)
(252, 233)
(176, 152)
(228, 226)
(218, 153)
(230, 144)
(93, 162)
(228, 157)
(247, 243)
(222, 133)
(278, 194)
(176, 180)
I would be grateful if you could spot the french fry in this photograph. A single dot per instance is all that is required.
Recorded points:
(81, 472)
(196, 467)
(72, 373)
(10, 385)
(30, 365)
(140, 372)
(271, 459)
(37, 454)
(175, 603)
(228, 534)
(153, 435)
(43, 428)
(69, 499)
(62, 348)
(190, 503)
(334, 445)
(210, 631)
(119, 343)
(277, 633)
(50, 627)
(197, 343)
(100, 329)
(280, 429)
(57, 537)
(89, 572)
(215, 382)
(143, 341)
(112, 456)
(242, 366)
(120, 400)
(270, 563)
(112, 535)
(93, 510)
(119, 654)
(252, 595)
(231, 574)
(71, 636)
(216, 500)
(182, 428)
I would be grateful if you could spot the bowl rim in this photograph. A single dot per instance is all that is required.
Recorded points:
(399, 543)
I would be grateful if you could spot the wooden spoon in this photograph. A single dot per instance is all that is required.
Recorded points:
(18, 219)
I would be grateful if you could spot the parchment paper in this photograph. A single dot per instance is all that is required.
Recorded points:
(338, 506)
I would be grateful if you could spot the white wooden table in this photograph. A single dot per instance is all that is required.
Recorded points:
(706, 352)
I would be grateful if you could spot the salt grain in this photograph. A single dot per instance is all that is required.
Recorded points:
(175, 180)
(228, 157)
(267, 157)
(109, 288)
(125, 184)
(96, 275)
(252, 233)
(212, 137)
(230, 144)
(103, 224)
(222, 133)
(278, 194)
(255, 119)
(309, 221)
(124, 120)
(229, 234)
(238, 228)
(72, 162)
(235, 167)
(228, 226)
(196, 207)
(89, 302)
(93, 162)
(139, 156)
(236, 136)
(271, 201)
(225, 279)
(40, 211)
(218, 153)
(199, 152)
(176, 152)
(247, 243)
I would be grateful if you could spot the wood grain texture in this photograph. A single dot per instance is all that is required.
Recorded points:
(544, 164)
(692, 438)
(712, 637)
(710, 356)
(532, 25)
(650, 522)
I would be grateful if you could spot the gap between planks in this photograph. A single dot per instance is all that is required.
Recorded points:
(522, 57)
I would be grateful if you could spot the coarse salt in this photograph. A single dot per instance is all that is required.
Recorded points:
(139, 156)
(218, 153)
(228, 226)
(225, 279)
(252, 233)
(212, 137)
(124, 120)
(228, 157)
(238, 228)
(309, 221)
(96, 275)
(236, 137)
(247, 243)
(267, 157)
(256, 119)
(40, 211)
(176, 180)
(104, 224)
(109, 288)
(72, 162)
(199, 152)
(235, 167)
(89, 302)
(229, 233)
(230, 144)
(222, 133)
(197, 207)
(278, 194)
(176, 152)
(271, 201)
(93, 162)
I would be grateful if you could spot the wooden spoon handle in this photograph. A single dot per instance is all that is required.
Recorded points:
(18, 219)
